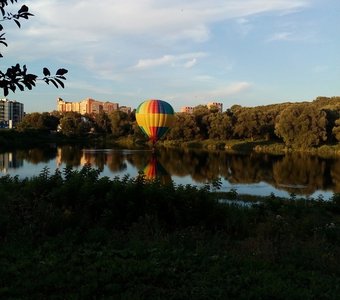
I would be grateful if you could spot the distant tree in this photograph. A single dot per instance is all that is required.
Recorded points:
(120, 123)
(220, 126)
(201, 113)
(16, 76)
(302, 126)
(102, 122)
(38, 121)
(336, 130)
(73, 123)
(247, 123)
(185, 127)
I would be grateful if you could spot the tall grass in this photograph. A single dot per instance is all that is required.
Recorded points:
(73, 234)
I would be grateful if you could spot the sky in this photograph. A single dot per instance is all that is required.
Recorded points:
(186, 52)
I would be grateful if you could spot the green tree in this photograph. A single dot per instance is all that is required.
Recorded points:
(73, 123)
(185, 128)
(201, 113)
(220, 126)
(38, 121)
(302, 126)
(248, 123)
(336, 130)
(102, 122)
(120, 123)
(16, 76)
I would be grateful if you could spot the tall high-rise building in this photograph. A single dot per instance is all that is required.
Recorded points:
(11, 112)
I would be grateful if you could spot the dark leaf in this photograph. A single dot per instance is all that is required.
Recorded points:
(2, 42)
(20, 86)
(23, 8)
(25, 15)
(60, 82)
(12, 88)
(61, 72)
(18, 23)
(1, 27)
(46, 72)
(2, 11)
(5, 91)
(55, 84)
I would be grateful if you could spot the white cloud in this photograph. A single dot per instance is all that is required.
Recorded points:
(220, 92)
(189, 64)
(292, 36)
(82, 20)
(231, 89)
(186, 60)
(281, 36)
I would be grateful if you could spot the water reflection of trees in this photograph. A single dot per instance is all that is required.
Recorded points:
(116, 161)
(69, 155)
(249, 168)
(37, 155)
(300, 173)
(296, 173)
(335, 175)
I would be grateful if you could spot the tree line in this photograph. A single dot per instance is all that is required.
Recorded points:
(297, 125)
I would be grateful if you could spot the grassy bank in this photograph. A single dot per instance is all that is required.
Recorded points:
(11, 139)
(73, 235)
(247, 146)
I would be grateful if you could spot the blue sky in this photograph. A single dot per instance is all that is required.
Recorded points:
(187, 52)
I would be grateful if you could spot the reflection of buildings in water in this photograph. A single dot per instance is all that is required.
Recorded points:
(84, 158)
(58, 157)
(8, 161)
(115, 161)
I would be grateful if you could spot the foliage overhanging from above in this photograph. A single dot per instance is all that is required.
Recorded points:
(18, 76)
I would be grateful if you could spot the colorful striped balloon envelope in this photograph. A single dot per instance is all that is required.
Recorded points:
(155, 117)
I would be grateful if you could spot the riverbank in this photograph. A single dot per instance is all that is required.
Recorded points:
(13, 139)
(78, 236)
(248, 146)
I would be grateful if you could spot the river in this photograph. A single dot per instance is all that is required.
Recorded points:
(256, 174)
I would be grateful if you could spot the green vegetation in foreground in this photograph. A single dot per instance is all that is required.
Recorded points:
(78, 236)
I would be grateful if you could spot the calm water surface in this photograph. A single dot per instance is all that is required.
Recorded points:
(255, 174)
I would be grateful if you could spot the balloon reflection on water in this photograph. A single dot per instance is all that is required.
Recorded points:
(154, 170)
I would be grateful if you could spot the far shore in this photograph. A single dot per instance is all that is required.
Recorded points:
(10, 139)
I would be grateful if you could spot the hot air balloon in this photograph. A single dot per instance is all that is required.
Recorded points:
(154, 118)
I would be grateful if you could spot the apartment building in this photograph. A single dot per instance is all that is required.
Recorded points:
(11, 112)
(87, 106)
(190, 109)
(187, 109)
(218, 105)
